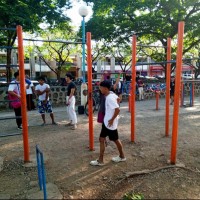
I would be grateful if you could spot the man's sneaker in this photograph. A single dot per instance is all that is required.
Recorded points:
(96, 163)
(118, 159)
(74, 126)
(19, 127)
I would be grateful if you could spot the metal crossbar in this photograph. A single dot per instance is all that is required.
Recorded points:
(4, 65)
(8, 47)
(143, 45)
(8, 29)
(41, 171)
(6, 118)
(58, 41)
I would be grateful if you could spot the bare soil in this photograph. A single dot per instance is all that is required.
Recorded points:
(68, 157)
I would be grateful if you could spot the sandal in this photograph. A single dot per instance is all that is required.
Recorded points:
(96, 163)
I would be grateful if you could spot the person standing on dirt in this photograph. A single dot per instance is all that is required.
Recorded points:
(140, 85)
(70, 102)
(172, 89)
(109, 125)
(44, 105)
(14, 91)
(30, 90)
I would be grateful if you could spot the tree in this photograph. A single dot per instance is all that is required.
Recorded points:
(61, 50)
(29, 14)
(150, 20)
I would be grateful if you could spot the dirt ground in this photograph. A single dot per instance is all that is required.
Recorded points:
(68, 156)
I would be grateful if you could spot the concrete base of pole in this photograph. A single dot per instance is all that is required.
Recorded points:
(83, 98)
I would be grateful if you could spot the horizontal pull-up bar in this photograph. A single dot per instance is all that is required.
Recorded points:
(58, 41)
(143, 45)
(7, 47)
(3, 65)
(190, 81)
(8, 29)
(104, 73)
(6, 118)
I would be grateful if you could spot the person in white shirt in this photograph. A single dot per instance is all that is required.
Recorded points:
(29, 96)
(44, 105)
(109, 126)
(14, 91)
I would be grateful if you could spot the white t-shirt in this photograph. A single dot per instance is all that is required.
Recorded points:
(41, 88)
(14, 87)
(29, 90)
(110, 106)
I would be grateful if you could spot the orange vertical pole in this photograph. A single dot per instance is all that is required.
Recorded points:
(177, 92)
(90, 101)
(23, 93)
(193, 91)
(133, 88)
(168, 76)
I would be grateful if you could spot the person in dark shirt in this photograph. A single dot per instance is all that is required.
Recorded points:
(172, 88)
(70, 102)
(140, 85)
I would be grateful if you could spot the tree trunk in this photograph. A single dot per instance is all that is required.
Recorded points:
(8, 68)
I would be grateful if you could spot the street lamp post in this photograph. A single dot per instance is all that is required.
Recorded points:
(83, 11)
(40, 55)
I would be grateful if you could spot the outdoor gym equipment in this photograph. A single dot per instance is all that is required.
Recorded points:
(22, 88)
(190, 84)
(132, 94)
(41, 171)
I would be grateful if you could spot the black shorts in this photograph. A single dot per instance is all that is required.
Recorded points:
(112, 134)
(171, 93)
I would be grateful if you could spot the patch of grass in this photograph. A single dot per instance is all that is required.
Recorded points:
(132, 196)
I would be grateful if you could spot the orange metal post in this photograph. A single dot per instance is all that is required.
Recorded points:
(133, 88)
(177, 92)
(90, 101)
(193, 91)
(157, 100)
(23, 94)
(168, 76)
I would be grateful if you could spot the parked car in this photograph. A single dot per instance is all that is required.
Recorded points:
(187, 76)
(151, 78)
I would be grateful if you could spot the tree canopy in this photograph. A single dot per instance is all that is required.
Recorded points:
(29, 14)
(58, 51)
(151, 20)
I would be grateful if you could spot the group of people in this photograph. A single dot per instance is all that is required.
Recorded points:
(42, 90)
(109, 109)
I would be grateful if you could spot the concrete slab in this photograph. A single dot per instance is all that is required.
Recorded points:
(33, 161)
(52, 192)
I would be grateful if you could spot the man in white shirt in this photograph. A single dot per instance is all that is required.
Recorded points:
(109, 126)
(44, 105)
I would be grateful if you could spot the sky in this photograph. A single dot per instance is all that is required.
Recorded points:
(73, 13)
